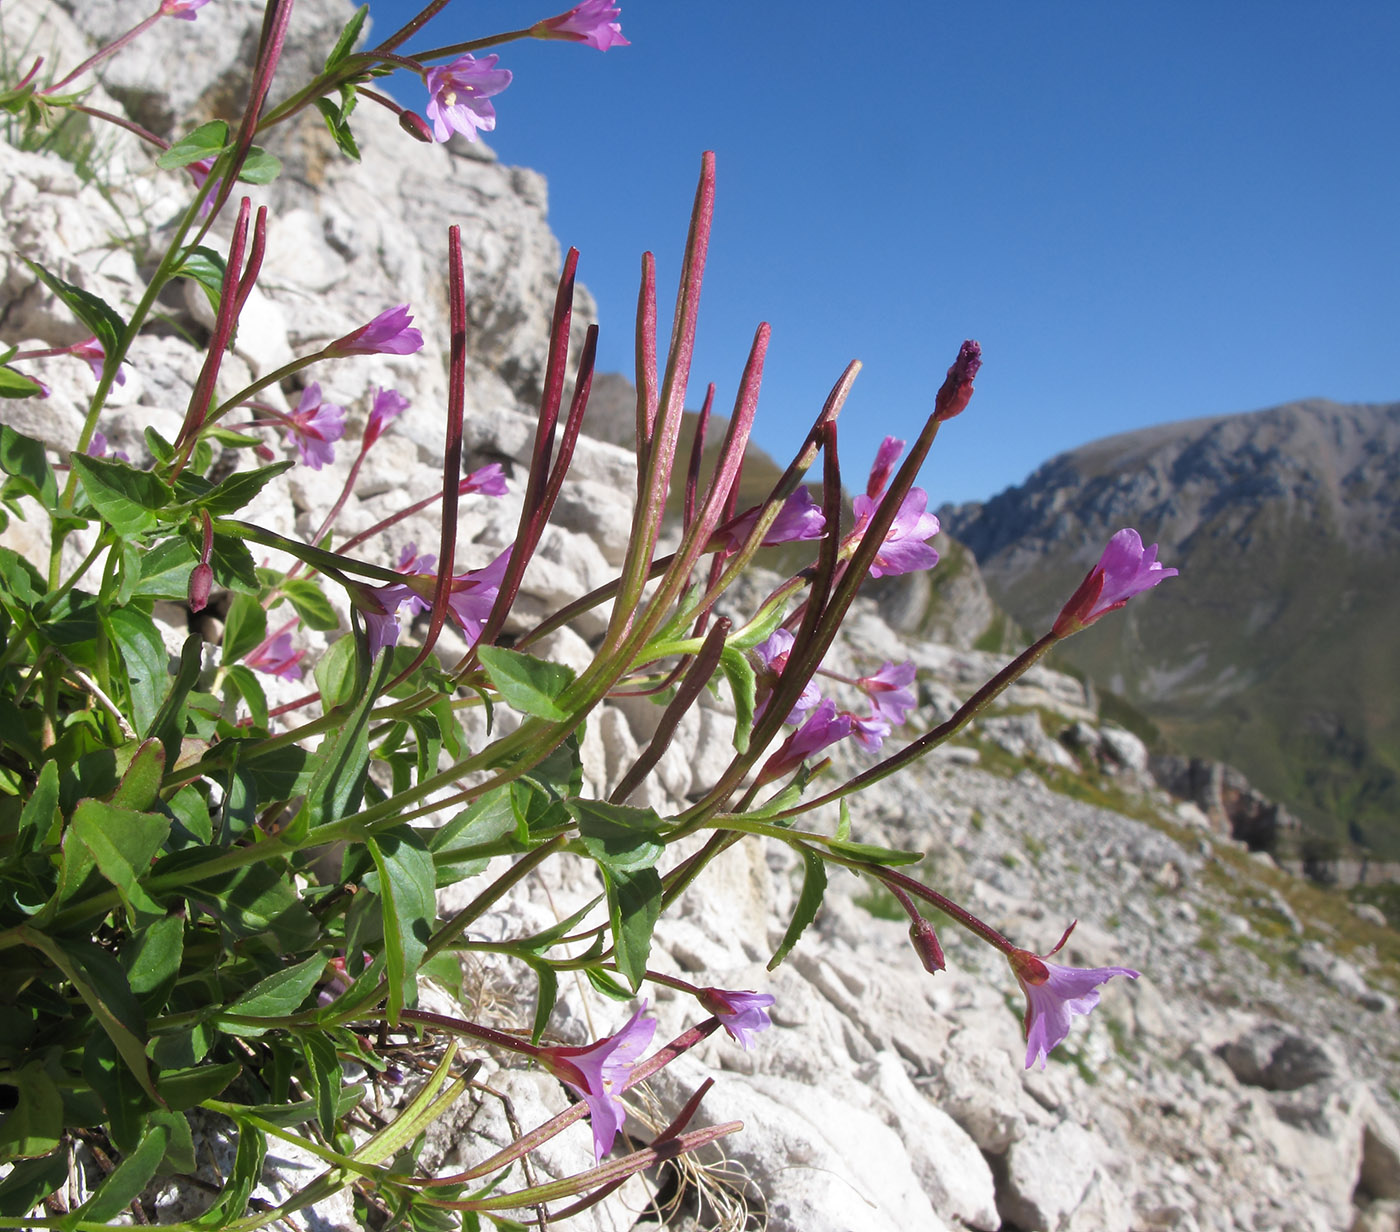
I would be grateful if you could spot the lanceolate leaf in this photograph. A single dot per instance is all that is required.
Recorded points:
(122, 841)
(406, 884)
(127, 499)
(277, 996)
(739, 672)
(813, 888)
(145, 661)
(24, 458)
(634, 904)
(207, 141)
(618, 837)
(90, 309)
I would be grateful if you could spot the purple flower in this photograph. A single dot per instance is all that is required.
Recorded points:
(473, 595)
(822, 728)
(380, 610)
(772, 656)
(1124, 570)
(275, 657)
(387, 404)
(314, 425)
(390, 333)
(1053, 994)
(904, 549)
(885, 458)
(97, 448)
(742, 1013)
(96, 357)
(183, 9)
(890, 698)
(599, 1072)
(459, 92)
(199, 172)
(590, 22)
(799, 518)
(869, 733)
(411, 562)
(488, 480)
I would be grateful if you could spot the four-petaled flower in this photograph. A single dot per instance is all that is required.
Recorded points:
(313, 426)
(1125, 569)
(390, 333)
(591, 22)
(473, 595)
(799, 518)
(488, 480)
(276, 657)
(904, 549)
(387, 404)
(460, 91)
(890, 698)
(96, 357)
(1053, 994)
(183, 9)
(598, 1072)
(822, 727)
(380, 610)
(772, 657)
(743, 1013)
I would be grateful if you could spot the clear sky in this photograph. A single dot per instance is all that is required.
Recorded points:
(1144, 212)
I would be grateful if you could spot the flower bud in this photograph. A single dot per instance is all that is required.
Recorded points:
(201, 583)
(415, 126)
(926, 946)
(956, 390)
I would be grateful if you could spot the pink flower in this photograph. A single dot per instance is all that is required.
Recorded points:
(869, 733)
(314, 425)
(904, 549)
(390, 333)
(183, 9)
(488, 480)
(885, 458)
(599, 1072)
(799, 518)
(743, 1014)
(956, 390)
(411, 562)
(388, 403)
(275, 657)
(1053, 994)
(380, 610)
(474, 594)
(96, 357)
(97, 448)
(459, 92)
(890, 698)
(772, 656)
(1124, 570)
(823, 727)
(199, 172)
(590, 22)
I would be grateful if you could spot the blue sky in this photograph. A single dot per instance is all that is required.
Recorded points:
(1144, 212)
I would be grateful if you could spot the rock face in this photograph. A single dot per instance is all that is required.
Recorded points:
(1276, 651)
(1246, 1081)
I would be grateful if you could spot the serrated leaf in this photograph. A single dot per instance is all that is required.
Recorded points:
(619, 837)
(144, 662)
(233, 564)
(406, 885)
(546, 994)
(345, 44)
(207, 141)
(310, 603)
(323, 1067)
(279, 995)
(605, 984)
(25, 459)
(141, 782)
(336, 118)
(525, 683)
(634, 905)
(742, 684)
(247, 1172)
(127, 499)
(238, 489)
(808, 902)
(90, 309)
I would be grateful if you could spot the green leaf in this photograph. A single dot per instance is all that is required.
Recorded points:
(141, 783)
(152, 959)
(122, 841)
(406, 884)
(490, 818)
(247, 1172)
(16, 385)
(345, 44)
(125, 1107)
(206, 267)
(179, 1157)
(207, 141)
(337, 120)
(605, 984)
(871, 854)
(634, 904)
(310, 603)
(40, 810)
(91, 310)
(739, 672)
(123, 1185)
(530, 685)
(617, 836)
(323, 1066)
(34, 1126)
(232, 563)
(127, 499)
(813, 888)
(244, 682)
(184, 1088)
(277, 996)
(546, 994)
(237, 490)
(31, 1181)
(145, 662)
(342, 759)
(192, 812)
(260, 167)
(759, 630)
(163, 572)
(244, 627)
(168, 726)
(336, 673)
(25, 459)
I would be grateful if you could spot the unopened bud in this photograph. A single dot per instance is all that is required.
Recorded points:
(956, 390)
(415, 126)
(926, 946)
(201, 583)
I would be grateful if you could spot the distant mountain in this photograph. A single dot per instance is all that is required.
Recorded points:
(1278, 648)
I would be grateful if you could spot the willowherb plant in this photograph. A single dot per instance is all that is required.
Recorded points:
(207, 908)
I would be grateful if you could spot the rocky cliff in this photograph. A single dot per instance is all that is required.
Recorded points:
(1248, 1080)
(1277, 652)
